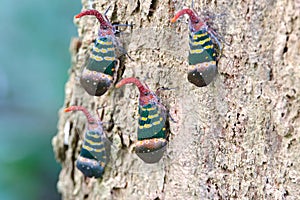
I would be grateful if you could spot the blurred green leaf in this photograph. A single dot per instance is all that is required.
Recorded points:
(34, 60)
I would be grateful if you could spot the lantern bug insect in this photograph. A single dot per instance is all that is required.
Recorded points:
(98, 74)
(93, 155)
(202, 54)
(152, 133)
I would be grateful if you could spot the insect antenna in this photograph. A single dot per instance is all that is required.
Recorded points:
(107, 9)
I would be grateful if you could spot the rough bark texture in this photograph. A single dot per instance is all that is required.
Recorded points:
(238, 138)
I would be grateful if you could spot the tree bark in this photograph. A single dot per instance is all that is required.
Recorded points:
(237, 138)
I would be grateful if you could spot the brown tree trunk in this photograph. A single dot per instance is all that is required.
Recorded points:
(236, 138)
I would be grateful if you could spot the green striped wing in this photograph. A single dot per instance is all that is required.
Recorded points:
(103, 57)
(201, 48)
(152, 121)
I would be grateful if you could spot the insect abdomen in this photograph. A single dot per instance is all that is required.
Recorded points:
(202, 59)
(97, 76)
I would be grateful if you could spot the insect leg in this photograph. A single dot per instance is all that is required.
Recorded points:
(214, 35)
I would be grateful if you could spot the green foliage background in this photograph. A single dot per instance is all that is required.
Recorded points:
(34, 60)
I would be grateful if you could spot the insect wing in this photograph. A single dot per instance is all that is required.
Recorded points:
(90, 167)
(152, 121)
(98, 72)
(103, 57)
(97, 145)
(94, 154)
